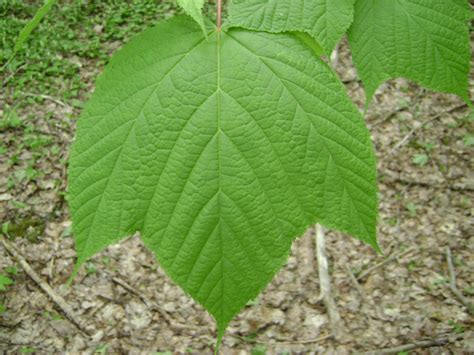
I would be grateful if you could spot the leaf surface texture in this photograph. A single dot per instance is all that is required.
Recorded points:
(325, 20)
(423, 40)
(194, 9)
(220, 152)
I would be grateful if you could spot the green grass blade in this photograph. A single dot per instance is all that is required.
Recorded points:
(30, 26)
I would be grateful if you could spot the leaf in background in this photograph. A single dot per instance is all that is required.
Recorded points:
(194, 9)
(220, 152)
(423, 40)
(30, 26)
(325, 20)
(5, 281)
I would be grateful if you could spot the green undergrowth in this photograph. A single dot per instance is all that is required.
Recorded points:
(44, 86)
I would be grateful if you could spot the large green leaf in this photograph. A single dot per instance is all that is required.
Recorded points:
(325, 20)
(423, 40)
(220, 152)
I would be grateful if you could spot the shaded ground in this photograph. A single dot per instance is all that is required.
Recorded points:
(425, 148)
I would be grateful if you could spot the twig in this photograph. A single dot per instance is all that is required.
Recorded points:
(141, 296)
(7, 79)
(351, 80)
(60, 302)
(278, 341)
(458, 187)
(47, 97)
(152, 305)
(423, 344)
(434, 118)
(325, 284)
(364, 274)
(219, 14)
(390, 115)
(356, 283)
(452, 283)
(334, 59)
(304, 341)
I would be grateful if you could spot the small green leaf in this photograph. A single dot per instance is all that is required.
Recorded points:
(5, 227)
(259, 349)
(12, 270)
(194, 9)
(457, 328)
(325, 20)
(422, 40)
(101, 349)
(5, 281)
(411, 207)
(2, 308)
(468, 140)
(420, 159)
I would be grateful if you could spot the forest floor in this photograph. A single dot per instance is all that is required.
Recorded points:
(424, 143)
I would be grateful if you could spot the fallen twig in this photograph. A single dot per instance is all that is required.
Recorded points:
(325, 284)
(390, 115)
(423, 344)
(55, 297)
(434, 118)
(356, 283)
(280, 341)
(47, 97)
(427, 184)
(304, 341)
(153, 306)
(364, 274)
(452, 283)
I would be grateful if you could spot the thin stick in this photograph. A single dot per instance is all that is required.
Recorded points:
(334, 59)
(60, 302)
(459, 187)
(46, 97)
(279, 341)
(408, 136)
(416, 345)
(325, 284)
(452, 283)
(219, 15)
(152, 305)
(386, 261)
(145, 300)
(356, 283)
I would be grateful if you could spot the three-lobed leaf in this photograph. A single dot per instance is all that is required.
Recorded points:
(325, 20)
(423, 40)
(220, 152)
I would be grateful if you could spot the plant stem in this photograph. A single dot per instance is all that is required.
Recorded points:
(219, 14)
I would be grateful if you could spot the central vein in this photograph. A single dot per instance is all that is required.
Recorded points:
(218, 39)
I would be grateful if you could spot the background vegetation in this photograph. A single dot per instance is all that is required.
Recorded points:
(425, 145)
